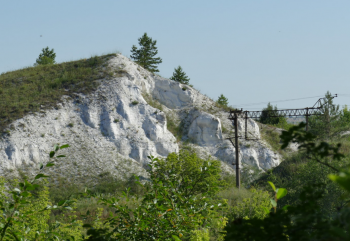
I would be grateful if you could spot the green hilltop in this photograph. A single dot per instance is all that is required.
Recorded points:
(26, 90)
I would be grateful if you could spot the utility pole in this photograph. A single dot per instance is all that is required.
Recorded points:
(235, 114)
(238, 179)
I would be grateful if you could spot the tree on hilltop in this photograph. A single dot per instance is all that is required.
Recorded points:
(180, 76)
(144, 56)
(46, 57)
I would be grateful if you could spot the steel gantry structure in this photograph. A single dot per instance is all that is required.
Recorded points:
(235, 114)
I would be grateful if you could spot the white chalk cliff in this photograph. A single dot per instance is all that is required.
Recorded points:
(114, 129)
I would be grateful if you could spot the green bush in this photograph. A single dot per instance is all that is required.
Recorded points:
(26, 210)
(304, 220)
(176, 201)
(184, 199)
(252, 207)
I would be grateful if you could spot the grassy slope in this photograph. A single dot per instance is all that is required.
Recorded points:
(25, 90)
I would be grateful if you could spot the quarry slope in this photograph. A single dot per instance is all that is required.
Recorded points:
(115, 128)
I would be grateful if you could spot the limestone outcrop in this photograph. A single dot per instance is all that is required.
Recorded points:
(115, 128)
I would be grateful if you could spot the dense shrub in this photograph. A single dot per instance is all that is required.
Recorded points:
(176, 201)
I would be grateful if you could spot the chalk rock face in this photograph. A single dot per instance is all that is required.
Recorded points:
(114, 129)
(170, 94)
(205, 130)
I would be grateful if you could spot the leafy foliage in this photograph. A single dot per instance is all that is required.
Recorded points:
(176, 201)
(181, 201)
(180, 76)
(144, 56)
(304, 220)
(300, 222)
(46, 57)
(301, 169)
(306, 140)
(252, 207)
(26, 210)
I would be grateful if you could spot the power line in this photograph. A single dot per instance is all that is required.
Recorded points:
(235, 114)
(266, 102)
(256, 108)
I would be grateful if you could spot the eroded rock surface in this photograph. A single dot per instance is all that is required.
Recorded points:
(114, 129)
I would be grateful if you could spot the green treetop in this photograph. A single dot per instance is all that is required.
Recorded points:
(332, 121)
(180, 76)
(144, 56)
(222, 100)
(46, 57)
(271, 111)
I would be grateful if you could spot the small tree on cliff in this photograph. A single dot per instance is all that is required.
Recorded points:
(180, 76)
(144, 56)
(222, 100)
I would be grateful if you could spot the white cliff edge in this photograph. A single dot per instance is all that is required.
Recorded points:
(114, 129)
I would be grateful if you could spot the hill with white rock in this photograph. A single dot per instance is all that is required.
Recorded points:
(115, 128)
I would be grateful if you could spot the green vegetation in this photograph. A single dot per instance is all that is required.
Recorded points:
(176, 201)
(333, 120)
(271, 111)
(176, 128)
(180, 76)
(145, 55)
(298, 171)
(152, 102)
(271, 135)
(186, 198)
(34, 88)
(179, 200)
(46, 57)
(222, 100)
(307, 217)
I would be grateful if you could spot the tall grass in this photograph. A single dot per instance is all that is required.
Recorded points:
(29, 89)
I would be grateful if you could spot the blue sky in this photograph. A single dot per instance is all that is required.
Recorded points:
(250, 51)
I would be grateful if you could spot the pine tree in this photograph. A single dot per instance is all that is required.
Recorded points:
(144, 56)
(46, 57)
(222, 100)
(180, 76)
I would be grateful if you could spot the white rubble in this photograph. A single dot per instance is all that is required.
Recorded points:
(114, 129)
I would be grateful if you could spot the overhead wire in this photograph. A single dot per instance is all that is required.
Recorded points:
(277, 101)
(266, 102)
